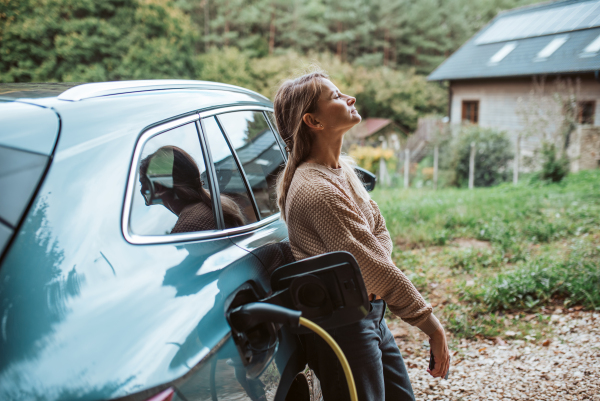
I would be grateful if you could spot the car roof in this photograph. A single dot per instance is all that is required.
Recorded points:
(47, 93)
(15, 91)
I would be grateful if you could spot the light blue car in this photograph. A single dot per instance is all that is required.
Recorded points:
(133, 215)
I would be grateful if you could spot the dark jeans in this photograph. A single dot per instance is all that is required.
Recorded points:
(374, 358)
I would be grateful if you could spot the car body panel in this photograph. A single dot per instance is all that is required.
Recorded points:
(6, 233)
(87, 315)
(21, 174)
(28, 127)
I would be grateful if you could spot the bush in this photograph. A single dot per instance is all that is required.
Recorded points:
(554, 167)
(368, 157)
(573, 279)
(492, 157)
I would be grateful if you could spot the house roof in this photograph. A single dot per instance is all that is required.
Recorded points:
(370, 126)
(552, 38)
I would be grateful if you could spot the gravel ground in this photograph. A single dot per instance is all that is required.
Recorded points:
(565, 366)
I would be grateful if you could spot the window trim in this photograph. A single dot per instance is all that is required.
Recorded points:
(211, 175)
(463, 108)
(580, 105)
(278, 137)
(146, 135)
(239, 166)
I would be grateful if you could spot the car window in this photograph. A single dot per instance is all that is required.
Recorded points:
(238, 208)
(271, 119)
(172, 193)
(259, 154)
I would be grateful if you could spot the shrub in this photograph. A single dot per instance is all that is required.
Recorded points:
(368, 157)
(573, 279)
(554, 167)
(493, 154)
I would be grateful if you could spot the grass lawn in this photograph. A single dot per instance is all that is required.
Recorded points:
(495, 261)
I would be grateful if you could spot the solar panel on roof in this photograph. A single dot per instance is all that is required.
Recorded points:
(543, 22)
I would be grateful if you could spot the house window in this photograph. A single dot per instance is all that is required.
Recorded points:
(470, 111)
(585, 112)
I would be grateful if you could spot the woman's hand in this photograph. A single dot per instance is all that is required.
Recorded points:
(441, 354)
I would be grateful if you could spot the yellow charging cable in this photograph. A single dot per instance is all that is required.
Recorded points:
(338, 352)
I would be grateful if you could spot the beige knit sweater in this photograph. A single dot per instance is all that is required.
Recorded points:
(324, 214)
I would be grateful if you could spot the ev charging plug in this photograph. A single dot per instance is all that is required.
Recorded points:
(250, 315)
(247, 316)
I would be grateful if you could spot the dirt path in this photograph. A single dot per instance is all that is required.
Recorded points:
(565, 366)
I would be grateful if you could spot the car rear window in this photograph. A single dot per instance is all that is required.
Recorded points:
(172, 192)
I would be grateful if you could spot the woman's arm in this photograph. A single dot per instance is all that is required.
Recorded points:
(335, 218)
(380, 231)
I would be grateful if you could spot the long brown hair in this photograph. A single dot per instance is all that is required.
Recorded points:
(294, 98)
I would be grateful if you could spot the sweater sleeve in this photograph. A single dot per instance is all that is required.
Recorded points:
(340, 226)
(380, 231)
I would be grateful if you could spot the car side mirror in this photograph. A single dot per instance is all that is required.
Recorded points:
(368, 179)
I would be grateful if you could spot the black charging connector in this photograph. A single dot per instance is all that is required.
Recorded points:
(250, 315)
(327, 289)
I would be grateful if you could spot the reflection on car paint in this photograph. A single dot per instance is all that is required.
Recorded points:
(224, 378)
(85, 314)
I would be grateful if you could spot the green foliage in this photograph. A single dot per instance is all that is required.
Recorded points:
(402, 96)
(573, 279)
(369, 157)
(492, 156)
(78, 41)
(509, 217)
(373, 49)
(471, 259)
(554, 167)
(393, 33)
(480, 256)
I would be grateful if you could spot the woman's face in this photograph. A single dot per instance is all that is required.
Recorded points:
(334, 109)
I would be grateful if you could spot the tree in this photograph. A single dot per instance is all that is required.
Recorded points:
(70, 40)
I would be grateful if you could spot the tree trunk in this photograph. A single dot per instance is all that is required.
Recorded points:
(226, 29)
(272, 32)
(386, 47)
(206, 26)
(339, 43)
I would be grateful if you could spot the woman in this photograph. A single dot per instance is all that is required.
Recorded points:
(327, 209)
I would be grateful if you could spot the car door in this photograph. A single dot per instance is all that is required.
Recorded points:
(256, 149)
(188, 195)
(260, 158)
(237, 211)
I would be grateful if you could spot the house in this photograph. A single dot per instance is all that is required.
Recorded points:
(527, 71)
(376, 132)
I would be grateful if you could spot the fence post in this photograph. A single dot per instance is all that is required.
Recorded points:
(516, 162)
(383, 173)
(472, 167)
(406, 167)
(435, 165)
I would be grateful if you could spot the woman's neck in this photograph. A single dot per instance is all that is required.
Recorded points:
(326, 152)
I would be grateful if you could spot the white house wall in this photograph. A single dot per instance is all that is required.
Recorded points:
(498, 103)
